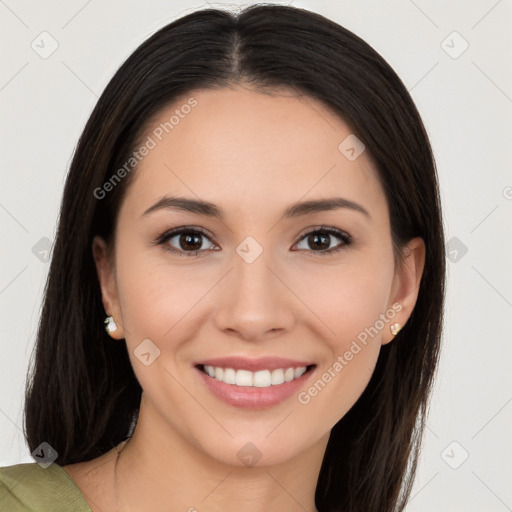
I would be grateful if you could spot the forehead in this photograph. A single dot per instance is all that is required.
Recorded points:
(236, 145)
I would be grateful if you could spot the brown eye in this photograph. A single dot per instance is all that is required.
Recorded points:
(190, 242)
(185, 241)
(320, 240)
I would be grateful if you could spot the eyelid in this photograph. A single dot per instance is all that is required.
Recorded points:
(329, 229)
(178, 231)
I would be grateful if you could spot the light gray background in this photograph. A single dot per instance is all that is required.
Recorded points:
(466, 104)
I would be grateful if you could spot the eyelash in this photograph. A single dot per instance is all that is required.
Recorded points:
(342, 236)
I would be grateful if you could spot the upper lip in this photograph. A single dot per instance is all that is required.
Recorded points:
(254, 365)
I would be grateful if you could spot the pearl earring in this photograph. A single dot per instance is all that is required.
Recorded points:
(395, 328)
(110, 326)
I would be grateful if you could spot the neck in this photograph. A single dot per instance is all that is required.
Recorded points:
(163, 471)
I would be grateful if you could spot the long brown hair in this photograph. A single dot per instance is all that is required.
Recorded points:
(83, 395)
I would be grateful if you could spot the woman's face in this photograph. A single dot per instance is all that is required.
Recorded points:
(259, 282)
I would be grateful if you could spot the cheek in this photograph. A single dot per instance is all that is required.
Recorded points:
(350, 297)
(159, 302)
(338, 385)
(353, 307)
(155, 295)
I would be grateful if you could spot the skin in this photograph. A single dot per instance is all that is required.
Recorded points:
(253, 154)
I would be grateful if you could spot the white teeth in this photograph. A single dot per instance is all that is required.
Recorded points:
(289, 374)
(259, 379)
(243, 378)
(229, 376)
(277, 377)
(299, 372)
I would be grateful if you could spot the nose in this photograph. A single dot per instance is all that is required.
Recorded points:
(255, 302)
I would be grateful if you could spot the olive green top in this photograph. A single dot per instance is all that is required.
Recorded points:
(30, 488)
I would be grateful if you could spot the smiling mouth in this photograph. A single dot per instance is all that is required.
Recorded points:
(259, 379)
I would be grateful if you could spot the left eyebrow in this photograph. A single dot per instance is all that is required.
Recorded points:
(321, 205)
(296, 210)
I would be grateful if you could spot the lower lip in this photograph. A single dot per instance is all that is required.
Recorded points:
(248, 397)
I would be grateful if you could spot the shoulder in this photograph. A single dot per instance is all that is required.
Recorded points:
(30, 488)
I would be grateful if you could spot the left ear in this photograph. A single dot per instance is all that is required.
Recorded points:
(406, 285)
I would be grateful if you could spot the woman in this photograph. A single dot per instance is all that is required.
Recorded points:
(244, 303)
